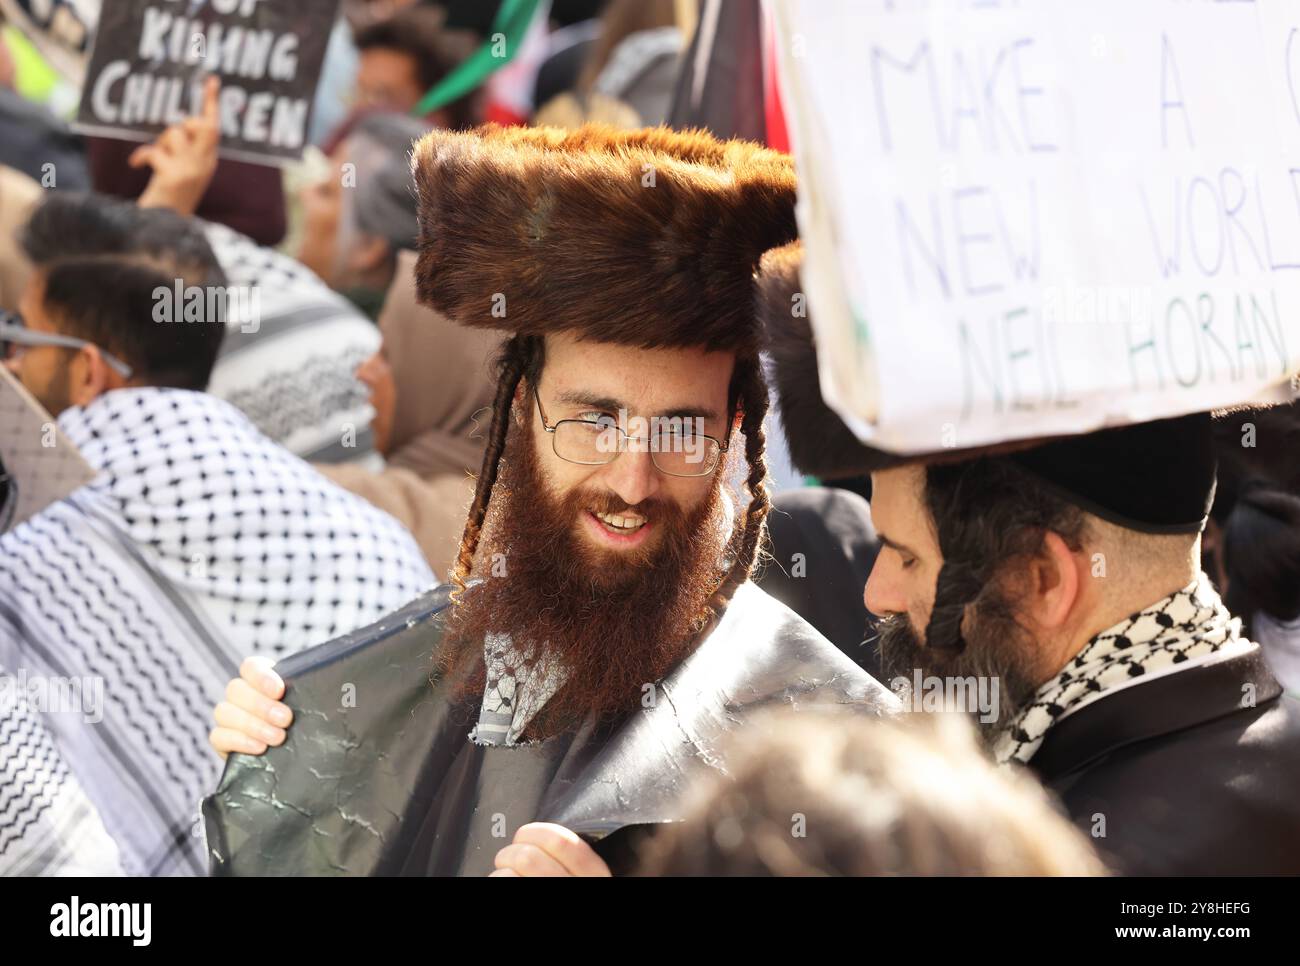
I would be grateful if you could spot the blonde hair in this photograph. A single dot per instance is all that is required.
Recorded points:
(835, 794)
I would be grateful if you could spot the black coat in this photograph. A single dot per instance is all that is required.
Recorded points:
(1193, 773)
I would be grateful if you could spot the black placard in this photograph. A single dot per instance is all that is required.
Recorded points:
(150, 58)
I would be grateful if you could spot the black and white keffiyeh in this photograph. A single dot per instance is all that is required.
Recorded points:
(199, 542)
(48, 826)
(292, 347)
(1182, 630)
(275, 555)
(516, 690)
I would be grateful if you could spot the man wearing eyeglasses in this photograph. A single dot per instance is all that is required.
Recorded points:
(604, 635)
(63, 368)
(55, 381)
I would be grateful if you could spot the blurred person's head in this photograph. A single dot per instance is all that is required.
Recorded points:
(626, 74)
(363, 211)
(105, 277)
(404, 56)
(1260, 548)
(362, 13)
(430, 382)
(1254, 541)
(835, 794)
(619, 20)
(993, 568)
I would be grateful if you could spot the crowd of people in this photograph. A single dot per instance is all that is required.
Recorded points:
(541, 448)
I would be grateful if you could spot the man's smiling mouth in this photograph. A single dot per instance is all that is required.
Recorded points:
(621, 523)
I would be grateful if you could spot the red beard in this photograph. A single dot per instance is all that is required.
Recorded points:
(614, 621)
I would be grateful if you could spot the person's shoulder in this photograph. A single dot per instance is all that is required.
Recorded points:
(1219, 797)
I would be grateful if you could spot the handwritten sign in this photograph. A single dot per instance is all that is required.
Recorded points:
(1034, 218)
(150, 57)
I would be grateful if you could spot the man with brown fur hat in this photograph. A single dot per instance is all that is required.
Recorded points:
(603, 635)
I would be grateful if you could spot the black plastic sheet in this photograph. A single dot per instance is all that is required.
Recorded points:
(390, 784)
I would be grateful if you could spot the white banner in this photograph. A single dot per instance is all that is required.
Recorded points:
(1025, 219)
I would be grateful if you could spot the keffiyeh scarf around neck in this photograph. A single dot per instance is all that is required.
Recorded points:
(1182, 630)
(516, 690)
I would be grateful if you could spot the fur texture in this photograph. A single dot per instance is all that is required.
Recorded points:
(541, 230)
(820, 444)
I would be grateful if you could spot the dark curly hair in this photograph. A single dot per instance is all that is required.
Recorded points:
(104, 261)
(988, 514)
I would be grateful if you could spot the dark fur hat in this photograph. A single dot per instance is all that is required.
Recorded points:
(646, 238)
(820, 444)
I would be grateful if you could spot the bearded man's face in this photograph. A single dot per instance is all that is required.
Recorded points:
(607, 566)
(621, 509)
(900, 590)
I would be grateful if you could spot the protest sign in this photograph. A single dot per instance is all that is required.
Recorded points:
(1023, 219)
(150, 57)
